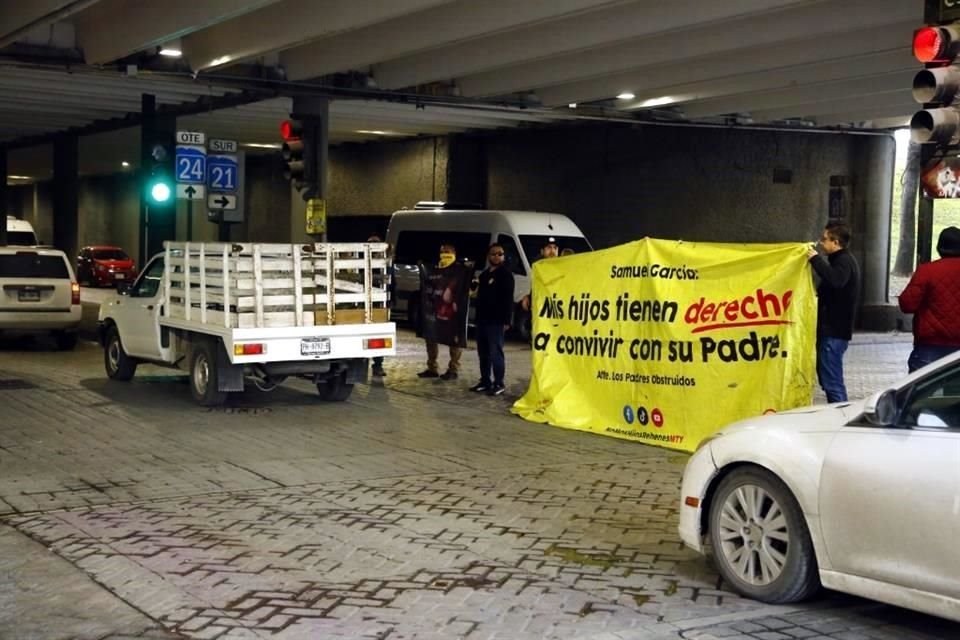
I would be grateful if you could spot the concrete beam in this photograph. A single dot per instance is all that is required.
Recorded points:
(728, 67)
(863, 86)
(596, 28)
(765, 29)
(291, 23)
(443, 25)
(17, 18)
(829, 105)
(868, 114)
(114, 29)
(782, 78)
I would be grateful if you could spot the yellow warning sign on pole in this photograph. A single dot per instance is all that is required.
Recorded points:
(316, 216)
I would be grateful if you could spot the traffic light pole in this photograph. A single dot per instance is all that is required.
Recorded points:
(925, 212)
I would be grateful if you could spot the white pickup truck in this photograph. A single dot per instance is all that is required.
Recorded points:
(227, 312)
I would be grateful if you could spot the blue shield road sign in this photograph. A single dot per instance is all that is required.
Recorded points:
(191, 165)
(222, 174)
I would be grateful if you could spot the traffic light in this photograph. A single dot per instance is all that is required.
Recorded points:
(937, 86)
(159, 184)
(300, 138)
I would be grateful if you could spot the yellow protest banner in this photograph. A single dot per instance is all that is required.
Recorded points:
(664, 342)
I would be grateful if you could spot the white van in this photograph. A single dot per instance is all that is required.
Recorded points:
(20, 233)
(416, 236)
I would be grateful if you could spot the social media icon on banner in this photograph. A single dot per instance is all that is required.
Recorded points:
(642, 416)
(628, 414)
(657, 418)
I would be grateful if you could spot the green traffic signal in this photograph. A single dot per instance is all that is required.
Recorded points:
(160, 192)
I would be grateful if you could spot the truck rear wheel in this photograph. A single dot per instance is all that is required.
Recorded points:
(335, 389)
(204, 379)
(118, 364)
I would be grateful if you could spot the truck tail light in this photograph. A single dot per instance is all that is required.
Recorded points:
(378, 343)
(251, 349)
(74, 293)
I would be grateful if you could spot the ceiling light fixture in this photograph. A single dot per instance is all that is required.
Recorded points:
(378, 132)
(657, 102)
(124, 164)
(572, 105)
(19, 178)
(261, 145)
(171, 49)
(626, 95)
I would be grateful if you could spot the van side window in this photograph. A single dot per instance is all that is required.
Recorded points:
(424, 246)
(512, 254)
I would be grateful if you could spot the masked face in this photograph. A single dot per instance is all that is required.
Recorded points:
(447, 259)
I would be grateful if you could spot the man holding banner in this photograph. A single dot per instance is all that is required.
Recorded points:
(444, 301)
(837, 298)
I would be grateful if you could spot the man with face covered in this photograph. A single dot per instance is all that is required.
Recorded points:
(445, 311)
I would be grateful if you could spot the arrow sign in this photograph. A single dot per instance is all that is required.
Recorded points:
(223, 201)
(191, 192)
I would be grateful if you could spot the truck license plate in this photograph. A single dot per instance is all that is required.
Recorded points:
(314, 346)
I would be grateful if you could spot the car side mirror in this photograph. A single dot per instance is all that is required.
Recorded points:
(123, 288)
(881, 408)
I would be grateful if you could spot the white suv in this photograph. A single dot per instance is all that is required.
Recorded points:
(39, 293)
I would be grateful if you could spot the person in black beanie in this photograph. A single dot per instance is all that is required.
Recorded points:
(933, 297)
(837, 298)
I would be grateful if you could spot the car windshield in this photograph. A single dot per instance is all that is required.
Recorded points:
(32, 265)
(109, 254)
(21, 238)
(533, 244)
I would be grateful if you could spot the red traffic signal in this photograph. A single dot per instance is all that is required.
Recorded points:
(933, 45)
(291, 130)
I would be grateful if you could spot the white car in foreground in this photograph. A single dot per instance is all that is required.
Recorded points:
(861, 497)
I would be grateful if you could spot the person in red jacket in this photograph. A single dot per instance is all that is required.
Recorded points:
(933, 296)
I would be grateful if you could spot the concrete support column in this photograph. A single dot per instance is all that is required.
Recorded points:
(874, 170)
(3, 197)
(467, 170)
(66, 194)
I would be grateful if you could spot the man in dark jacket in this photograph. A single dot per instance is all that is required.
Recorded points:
(494, 304)
(837, 298)
(933, 296)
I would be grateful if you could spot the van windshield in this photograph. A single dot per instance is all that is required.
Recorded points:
(21, 238)
(533, 244)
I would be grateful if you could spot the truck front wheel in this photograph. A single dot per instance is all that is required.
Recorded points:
(204, 379)
(335, 389)
(118, 364)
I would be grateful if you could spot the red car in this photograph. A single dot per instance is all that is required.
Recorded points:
(104, 266)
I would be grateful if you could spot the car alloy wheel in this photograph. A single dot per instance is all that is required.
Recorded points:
(754, 535)
(760, 539)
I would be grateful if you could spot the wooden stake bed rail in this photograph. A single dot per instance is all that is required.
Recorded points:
(253, 285)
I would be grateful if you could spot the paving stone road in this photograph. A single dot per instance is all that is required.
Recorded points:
(414, 510)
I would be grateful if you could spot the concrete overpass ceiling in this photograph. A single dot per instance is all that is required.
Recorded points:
(427, 67)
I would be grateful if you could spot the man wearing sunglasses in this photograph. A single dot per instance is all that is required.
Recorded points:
(494, 304)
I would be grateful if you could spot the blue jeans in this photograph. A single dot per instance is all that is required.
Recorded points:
(490, 351)
(924, 354)
(830, 367)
